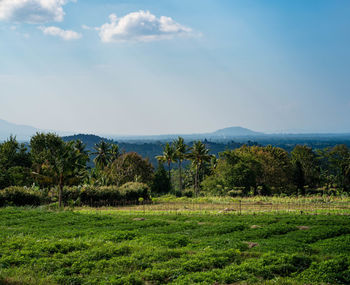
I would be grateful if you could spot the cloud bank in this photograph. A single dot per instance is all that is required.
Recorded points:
(66, 35)
(32, 11)
(141, 26)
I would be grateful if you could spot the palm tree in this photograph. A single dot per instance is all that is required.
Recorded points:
(82, 158)
(115, 153)
(180, 155)
(56, 161)
(103, 154)
(199, 154)
(80, 147)
(168, 156)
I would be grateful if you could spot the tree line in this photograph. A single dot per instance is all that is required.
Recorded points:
(48, 161)
(259, 170)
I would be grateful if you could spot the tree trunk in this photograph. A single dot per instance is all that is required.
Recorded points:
(60, 191)
(180, 174)
(169, 171)
(196, 181)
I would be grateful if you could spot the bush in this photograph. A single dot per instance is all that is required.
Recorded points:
(213, 185)
(189, 193)
(21, 196)
(131, 192)
(130, 167)
(87, 195)
(333, 271)
(235, 193)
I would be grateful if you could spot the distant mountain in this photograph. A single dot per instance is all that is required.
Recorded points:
(22, 132)
(219, 135)
(88, 140)
(235, 132)
(238, 134)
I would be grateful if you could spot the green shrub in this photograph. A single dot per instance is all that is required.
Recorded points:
(235, 193)
(130, 192)
(333, 271)
(21, 196)
(213, 185)
(189, 193)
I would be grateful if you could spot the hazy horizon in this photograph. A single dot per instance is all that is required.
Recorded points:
(175, 67)
(145, 135)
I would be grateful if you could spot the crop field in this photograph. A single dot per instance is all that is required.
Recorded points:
(247, 205)
(89, 246)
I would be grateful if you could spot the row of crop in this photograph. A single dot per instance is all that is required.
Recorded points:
(128, 193)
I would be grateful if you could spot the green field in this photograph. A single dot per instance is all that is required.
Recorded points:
(38, 246)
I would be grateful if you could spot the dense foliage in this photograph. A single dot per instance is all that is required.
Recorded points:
(271, 170)
(15, 164)
(86, 195)
(55, 162)
(161, 181)
(129, 167)
(22, 196)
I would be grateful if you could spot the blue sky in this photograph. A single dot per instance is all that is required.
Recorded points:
(175, 66)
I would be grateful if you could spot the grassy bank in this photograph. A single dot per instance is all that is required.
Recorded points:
(110, 247)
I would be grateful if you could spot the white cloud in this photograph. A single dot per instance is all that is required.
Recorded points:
(67, 35)
(141, 26)
(32, 11)
(85, 27)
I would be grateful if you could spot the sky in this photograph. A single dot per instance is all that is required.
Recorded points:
(175, 66)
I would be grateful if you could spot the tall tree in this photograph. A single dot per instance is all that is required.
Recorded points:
(15, 163)
(56, 162)
(129, 167)
(338, 164)
(239, 168)
(103, 154)
(82, 158)
(299, 176)
(168, 156)
(305, 166)
(180, 155)
(80, 147)
(115, 152)
(161, 183)
(199, 154)
(276, 167)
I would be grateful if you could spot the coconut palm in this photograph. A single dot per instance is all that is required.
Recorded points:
(180, 154)
(103, 154)
(82, 158)
(199, 154)
(168, 156)
(115, 152)
(57, 162)
(80, 147)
